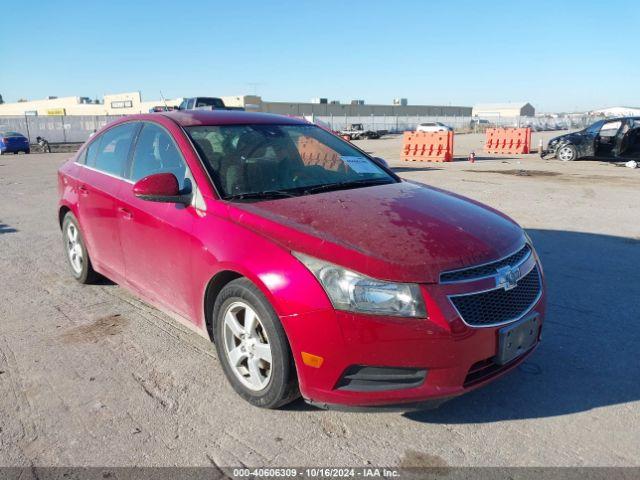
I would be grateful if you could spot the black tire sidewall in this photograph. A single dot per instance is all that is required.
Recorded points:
(282, 387)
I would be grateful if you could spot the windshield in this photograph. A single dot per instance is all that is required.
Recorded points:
(11, 134)
(595, 128)
(270, 161)
(209, 102)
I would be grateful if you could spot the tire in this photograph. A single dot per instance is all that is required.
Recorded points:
(262, 384)
(567, 153)
(27, 152)
(81, 269)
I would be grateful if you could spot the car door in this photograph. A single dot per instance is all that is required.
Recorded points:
(605, 141)
(630, 139)
(585, 141)
(100, 183)
(157, 237)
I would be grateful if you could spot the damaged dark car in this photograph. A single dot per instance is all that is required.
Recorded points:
(610, 139)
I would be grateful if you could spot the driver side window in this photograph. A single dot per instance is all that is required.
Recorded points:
(610, 129)
(156, 152)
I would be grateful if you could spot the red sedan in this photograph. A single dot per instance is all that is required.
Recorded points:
(314, 268)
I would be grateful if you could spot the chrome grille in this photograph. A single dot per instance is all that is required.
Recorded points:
(486, 270)
(499, 305)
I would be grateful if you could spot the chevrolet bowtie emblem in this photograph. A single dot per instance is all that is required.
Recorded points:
(507, 277)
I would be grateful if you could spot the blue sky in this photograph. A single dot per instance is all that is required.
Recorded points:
(559, 55)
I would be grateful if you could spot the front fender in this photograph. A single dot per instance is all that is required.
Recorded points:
(306, 314)
(225, 245)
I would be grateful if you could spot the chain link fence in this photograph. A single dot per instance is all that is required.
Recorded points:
(76, 129)
(56, 129)
(401, 123)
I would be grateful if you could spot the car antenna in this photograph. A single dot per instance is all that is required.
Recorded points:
(166, 107)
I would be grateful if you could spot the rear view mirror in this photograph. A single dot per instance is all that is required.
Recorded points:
(160, 187)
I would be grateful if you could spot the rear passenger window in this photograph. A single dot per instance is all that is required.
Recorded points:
(113, 150)
(89, 157)
(156, 152)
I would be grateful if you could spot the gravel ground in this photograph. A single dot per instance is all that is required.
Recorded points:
(90, 376)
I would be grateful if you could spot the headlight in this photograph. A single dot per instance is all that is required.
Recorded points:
(354, 292)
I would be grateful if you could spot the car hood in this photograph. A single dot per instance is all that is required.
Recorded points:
(567, 137)
(404, 232)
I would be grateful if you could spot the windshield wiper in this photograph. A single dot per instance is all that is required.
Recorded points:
(365, 182)
(269, 194)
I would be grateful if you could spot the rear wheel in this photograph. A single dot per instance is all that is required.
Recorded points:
(252, 346)
(75, 251)
(567, 153)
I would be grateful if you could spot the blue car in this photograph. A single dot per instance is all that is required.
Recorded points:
(13, 142)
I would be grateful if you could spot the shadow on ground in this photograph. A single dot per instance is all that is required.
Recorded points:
(417, 168)
(482, 159)
(588, 357)
(4, 228)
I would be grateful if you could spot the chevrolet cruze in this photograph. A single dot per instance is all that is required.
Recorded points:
(314, 269)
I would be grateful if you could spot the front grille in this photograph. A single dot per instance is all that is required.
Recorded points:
(499, 305)
(487, 269)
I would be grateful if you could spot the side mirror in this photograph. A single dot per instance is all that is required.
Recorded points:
(160, 187)
(381, 161)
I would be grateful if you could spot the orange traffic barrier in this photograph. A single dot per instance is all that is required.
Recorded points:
(427, 146)
(508, 140)
(315, 153)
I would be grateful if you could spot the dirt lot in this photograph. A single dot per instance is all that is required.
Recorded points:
(91, 376)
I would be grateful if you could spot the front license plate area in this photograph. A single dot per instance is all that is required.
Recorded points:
(516, 339)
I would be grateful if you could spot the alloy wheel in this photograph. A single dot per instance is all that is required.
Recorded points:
(74, 248)
(566, 154)
(247, 346)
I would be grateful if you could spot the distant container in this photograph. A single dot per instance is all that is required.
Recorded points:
(400, 101)
(322, 101)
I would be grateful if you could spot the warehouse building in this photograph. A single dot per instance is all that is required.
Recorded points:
(493, 110)
(116, 104)
(362, 109)
(130, 103)
(618, 112)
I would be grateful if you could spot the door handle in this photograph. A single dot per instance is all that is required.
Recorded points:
(83, 190)
(126, 214)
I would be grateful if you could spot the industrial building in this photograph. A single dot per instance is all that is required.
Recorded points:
(362, 109)
(618, 112)
(130, 103)
(493, 110)
(116, 104)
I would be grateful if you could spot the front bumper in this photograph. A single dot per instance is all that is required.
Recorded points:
(457, 358)
(548, 153)
(14, 148)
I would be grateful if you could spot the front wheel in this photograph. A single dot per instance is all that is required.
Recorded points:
(567, 153)
(76, 251)
(252, 346)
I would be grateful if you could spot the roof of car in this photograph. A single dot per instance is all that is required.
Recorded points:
(191, 118)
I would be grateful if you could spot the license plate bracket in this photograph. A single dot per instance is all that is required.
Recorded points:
(516, 339)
